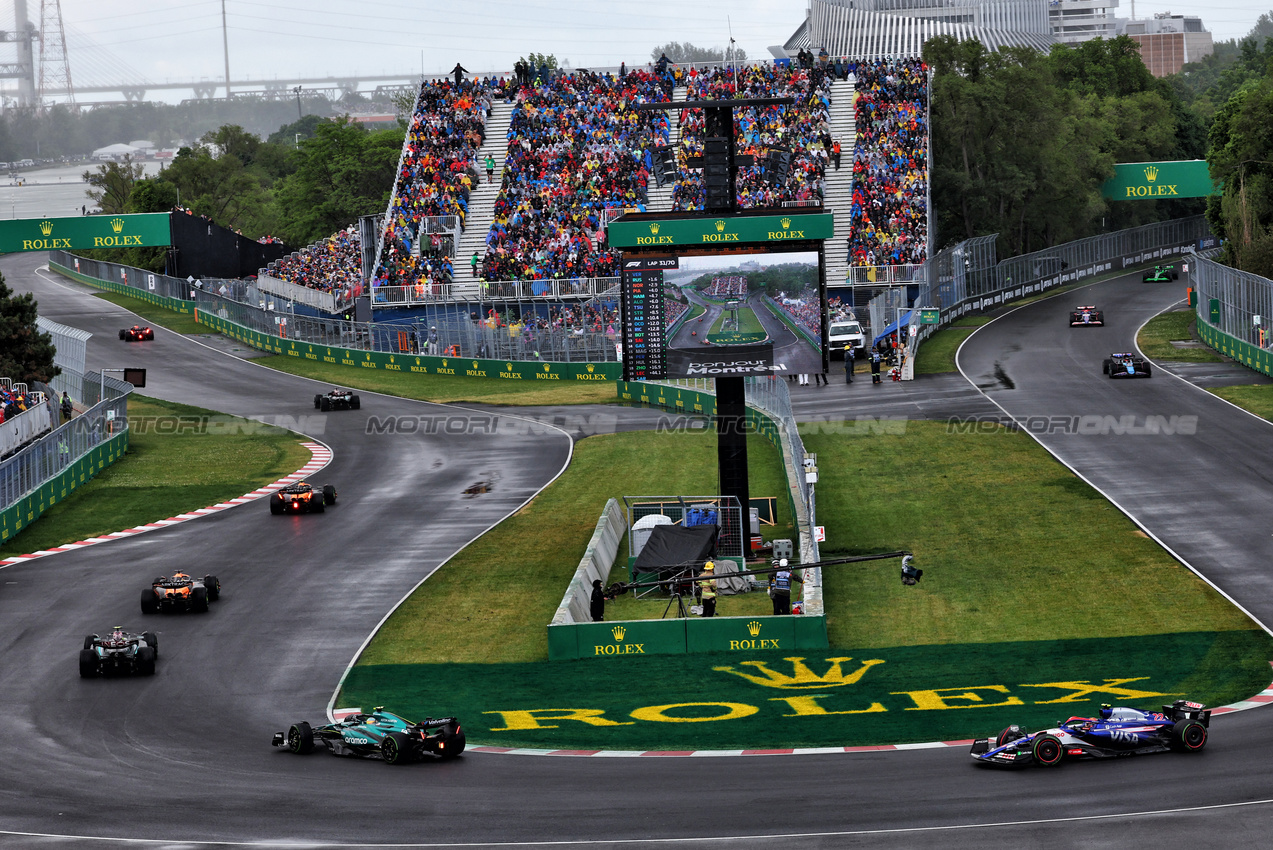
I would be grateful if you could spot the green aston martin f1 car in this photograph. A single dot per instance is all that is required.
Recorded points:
(1160, 274)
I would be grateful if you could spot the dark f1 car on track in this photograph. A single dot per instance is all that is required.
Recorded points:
(137, 333)
(377, 735)
(119, 652)
(337, 400)
(1086, 316)
(180, 592)
(302, 498)
(1117, 732)
(1124, 364)
(1160, 274)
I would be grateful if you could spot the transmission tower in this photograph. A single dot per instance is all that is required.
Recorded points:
(55, 66)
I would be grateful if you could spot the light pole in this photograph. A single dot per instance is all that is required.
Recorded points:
(299, 116)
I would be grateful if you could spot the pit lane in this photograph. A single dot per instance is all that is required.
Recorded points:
(184, 756)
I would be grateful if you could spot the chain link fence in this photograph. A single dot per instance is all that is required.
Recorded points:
(106, 416)
(160, 284)
(1235, 302)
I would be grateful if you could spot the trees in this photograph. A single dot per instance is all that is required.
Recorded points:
(1241, 157)
(112, 185)
(26, 353)
(681, 53)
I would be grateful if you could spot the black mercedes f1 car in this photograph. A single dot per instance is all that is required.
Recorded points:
(380, 734)
(119, 652)
(337, 400)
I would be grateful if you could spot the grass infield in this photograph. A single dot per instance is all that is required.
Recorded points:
(179, 459)
(937, 353)
(1156, 336)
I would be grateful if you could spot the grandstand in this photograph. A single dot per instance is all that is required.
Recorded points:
(730, 286)
(568, 156)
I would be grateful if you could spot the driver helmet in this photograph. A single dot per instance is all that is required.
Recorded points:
(1106, 711)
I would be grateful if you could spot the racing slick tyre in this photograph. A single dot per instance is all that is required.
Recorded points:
(276, 504)
(148, 603)
(329, 494)
(318, 402)
(146, 661)
(88, 641)
(317, 506)
(355, 403)
(199, 599)
(121, 334)
(152, 640)
(452, 743)
(1007, 736)
(1105, 367)
(213, 586)
(324, 404)
(1190, 735)
(1148, 372)
(1048, 751)
(300, 739)
(88, 664)
(395, 748)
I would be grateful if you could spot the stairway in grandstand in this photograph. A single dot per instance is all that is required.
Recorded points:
(659, 199)
(477, 224)
(839, 184)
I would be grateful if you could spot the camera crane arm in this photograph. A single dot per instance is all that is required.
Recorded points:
(620, 587)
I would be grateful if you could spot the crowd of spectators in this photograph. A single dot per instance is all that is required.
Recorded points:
(805, 309)
(731, 286)
(437, 173)
(332, 265)
(574, 148)
(889, 213)
(673, 308)
(13, 402)
(802, 128)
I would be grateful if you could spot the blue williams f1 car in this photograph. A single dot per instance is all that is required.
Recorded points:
(1115, 733)
(379, 734)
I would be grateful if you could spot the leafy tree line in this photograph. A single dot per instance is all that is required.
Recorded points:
(1023, 141)
(299, 192)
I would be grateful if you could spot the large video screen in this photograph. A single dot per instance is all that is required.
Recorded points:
(739, 314)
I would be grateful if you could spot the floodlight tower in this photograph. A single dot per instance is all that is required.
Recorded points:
(55, 65)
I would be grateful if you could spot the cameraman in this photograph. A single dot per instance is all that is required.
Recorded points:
(780, 588)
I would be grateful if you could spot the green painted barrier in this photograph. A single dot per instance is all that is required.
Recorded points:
(29, 508)
(629, 637)
(685, 635)
(177, 305)
(739, 634)
(1246, 353)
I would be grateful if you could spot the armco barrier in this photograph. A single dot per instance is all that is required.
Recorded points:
(175, 304)
(30, 507)
(422, 364)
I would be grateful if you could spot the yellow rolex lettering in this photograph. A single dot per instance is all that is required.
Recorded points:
(1082, 689)
(658, 713)
(807, 706)
(518, 721)
(938, 698)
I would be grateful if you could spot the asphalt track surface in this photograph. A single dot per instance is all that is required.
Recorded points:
(183, 758)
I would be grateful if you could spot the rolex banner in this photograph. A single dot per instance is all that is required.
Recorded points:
(722, 361)
(1136, 181)
(143, 230)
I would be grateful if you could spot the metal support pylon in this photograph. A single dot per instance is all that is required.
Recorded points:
(55, 65)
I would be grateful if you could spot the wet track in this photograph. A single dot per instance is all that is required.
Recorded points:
(185, 756)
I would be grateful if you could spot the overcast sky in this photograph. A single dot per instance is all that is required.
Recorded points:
(177, 40)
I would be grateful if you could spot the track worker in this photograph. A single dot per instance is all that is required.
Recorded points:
(68, 408)
(597, 604)
(707, 589)
(780, 588)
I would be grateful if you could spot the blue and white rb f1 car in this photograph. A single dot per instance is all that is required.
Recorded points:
(1115, 733)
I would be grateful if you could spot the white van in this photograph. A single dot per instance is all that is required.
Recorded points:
(845, 331)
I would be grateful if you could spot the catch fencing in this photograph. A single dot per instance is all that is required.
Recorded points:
(104, 419)
(156, 283)
(1233, 312)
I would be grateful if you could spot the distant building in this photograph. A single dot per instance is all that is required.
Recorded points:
(866, 29)
(1076, 21)
(1168, 41)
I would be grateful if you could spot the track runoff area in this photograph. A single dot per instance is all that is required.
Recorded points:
(759, 309)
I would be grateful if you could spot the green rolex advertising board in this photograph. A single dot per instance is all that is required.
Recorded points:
(1135, 181)
(725, 230)
(142, 230)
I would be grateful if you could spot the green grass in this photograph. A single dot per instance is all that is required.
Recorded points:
(1155, 339)
(937, 353)
(747, 321)
(156, 315)
(1014, 546)
(1255, 398)
(500, 593)
(166, 471)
